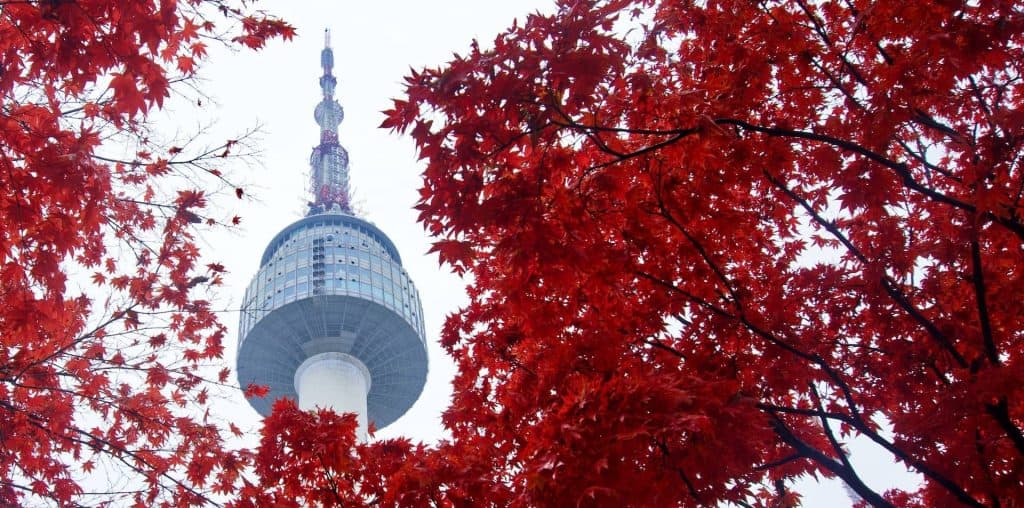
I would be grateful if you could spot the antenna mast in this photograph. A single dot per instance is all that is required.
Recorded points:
(329, 160)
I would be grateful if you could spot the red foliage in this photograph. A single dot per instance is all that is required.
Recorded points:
(88, 383)
(312, 458)
(305, 459)
(712, 241)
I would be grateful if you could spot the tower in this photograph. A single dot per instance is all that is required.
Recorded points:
(331, 318)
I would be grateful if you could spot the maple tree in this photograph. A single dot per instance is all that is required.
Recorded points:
(712, 242)
(106, 330)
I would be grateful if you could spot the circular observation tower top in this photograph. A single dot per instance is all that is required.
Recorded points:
(334, 283)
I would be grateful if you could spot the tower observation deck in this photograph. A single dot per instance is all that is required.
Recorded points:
(331, 318)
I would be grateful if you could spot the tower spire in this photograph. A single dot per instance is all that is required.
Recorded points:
(329, 161)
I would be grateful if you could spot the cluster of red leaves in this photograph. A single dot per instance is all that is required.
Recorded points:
(312, 458)
(712, 241)
(86, 384)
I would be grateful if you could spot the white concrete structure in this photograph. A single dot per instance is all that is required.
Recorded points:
(336, 381)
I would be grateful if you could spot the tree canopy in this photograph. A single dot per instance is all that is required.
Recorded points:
(711, 242)
(106, 332)
(708, 244)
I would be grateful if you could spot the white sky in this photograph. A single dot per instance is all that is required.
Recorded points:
(375, 44)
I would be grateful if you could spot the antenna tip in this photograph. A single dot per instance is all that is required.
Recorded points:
(327, 37)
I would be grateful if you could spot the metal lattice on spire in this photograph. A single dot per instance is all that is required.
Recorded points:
(329, 160)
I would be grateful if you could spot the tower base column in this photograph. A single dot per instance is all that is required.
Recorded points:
(336, 381)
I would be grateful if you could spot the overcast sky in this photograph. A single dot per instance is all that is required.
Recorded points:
(375, 44)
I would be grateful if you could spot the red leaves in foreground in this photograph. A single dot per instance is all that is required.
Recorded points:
(709, 243)
(305, 458)
(712, 242)
(107, 381)
(311, 458)
(255, 390)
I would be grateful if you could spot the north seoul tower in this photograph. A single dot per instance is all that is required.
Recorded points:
(331, 318)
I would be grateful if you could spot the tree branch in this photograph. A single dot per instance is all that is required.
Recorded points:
(1001, 412)
(840, 470)
(978, 278)
(887, 283)
(900, 168)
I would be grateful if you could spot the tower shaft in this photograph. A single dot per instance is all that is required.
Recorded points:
(335, 381)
